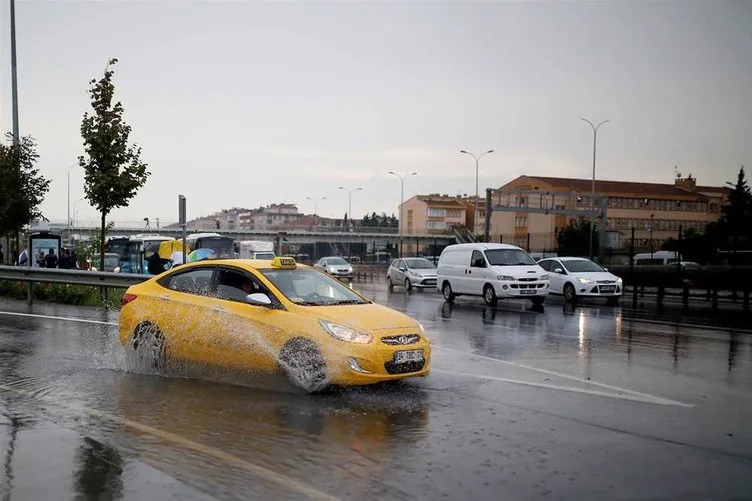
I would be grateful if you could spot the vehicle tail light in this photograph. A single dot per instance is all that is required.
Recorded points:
(127, 298)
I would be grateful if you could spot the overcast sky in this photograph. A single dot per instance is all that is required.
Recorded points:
(245, 104)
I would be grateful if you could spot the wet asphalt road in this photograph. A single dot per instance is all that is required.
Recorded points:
(556, 403)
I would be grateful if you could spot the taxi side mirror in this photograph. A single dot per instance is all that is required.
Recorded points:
(559, 271)
(258, 299)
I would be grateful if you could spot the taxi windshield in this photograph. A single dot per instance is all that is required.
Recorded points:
(336, 261)
(308, 287)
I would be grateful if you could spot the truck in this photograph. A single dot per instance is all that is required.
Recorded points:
(256, 249)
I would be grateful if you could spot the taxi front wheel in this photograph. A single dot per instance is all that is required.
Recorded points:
(304, 365)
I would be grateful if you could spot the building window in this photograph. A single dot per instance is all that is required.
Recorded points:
(520, 222)
(452, 213)
(436, 212)
(436, 225)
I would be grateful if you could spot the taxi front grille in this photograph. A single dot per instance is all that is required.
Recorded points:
(405, 368)
(527, 286)
(401, 340)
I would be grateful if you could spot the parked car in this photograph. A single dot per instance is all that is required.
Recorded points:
(335, 267)
(492, 271)
(575, 277)
(411, 272)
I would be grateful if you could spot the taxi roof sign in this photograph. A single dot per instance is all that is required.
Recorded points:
(284, 262)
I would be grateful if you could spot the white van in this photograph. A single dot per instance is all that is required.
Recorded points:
(493, 271)
(657, 258)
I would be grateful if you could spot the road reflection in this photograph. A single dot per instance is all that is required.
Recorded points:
(352, 434)
(98, 472)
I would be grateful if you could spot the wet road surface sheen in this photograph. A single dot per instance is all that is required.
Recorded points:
(555, 403)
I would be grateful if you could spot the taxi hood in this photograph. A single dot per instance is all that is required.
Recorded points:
(368, 317)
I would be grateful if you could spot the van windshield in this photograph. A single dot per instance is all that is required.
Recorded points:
(509, 257)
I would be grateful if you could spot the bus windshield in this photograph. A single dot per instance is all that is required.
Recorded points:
(119, 246)
(223, 247)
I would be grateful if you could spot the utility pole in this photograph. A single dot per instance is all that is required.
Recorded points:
(592, 200)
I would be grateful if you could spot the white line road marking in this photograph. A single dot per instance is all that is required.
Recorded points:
(52, 317)
(640, 395)
(634, 398)
(559, 374)
(272, 476)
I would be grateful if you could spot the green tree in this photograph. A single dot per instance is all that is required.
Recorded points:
(22, 186)
(735, 223)
(574, 239)
(113, 171)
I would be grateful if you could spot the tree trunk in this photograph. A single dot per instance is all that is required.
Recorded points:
(101, 244)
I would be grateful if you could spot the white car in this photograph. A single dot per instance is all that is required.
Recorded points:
(492, 271)
(335, 267)
(575, 277)
(411, 272)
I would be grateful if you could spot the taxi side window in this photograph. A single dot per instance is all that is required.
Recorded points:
(198, 282)
(235, 286)
(546, 265)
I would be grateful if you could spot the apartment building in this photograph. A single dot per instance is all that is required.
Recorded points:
(226, 219)
(434, 213)
(655, 211)
(270, 217)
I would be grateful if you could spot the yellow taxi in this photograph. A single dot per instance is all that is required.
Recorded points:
(271, 316)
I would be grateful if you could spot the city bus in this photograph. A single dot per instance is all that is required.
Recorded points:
(141, 248)
(223, 247)
(134, 252)
(120, 245)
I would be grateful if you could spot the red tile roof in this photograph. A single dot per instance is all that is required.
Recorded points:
(619, 187)
(445, 202)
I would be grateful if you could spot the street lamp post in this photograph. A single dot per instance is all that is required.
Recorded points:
(316, 204)
(14, 74)
(477, 162)
(402, 201)
(592, 199)
(75, 212)
(349, 200)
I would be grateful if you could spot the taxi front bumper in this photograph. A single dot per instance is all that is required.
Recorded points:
(377, 361)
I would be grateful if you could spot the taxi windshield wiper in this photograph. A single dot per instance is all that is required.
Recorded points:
(349, 301)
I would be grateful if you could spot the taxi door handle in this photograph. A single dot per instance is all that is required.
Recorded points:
(164, 298)
(219, 309)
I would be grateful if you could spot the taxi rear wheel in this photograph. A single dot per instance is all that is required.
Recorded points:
(304, 365)
(148, 343)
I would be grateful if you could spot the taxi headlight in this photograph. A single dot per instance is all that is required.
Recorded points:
(417, 275)
(619, 281)
(544, 277)
(347, 334)
(505, 278)
(586, 281)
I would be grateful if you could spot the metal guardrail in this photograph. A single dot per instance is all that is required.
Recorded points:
(73, 277)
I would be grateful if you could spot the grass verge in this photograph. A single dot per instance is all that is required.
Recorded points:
(79, 295)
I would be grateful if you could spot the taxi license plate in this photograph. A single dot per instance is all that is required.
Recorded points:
(401, 357)
(608, 288)
(527, 291)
